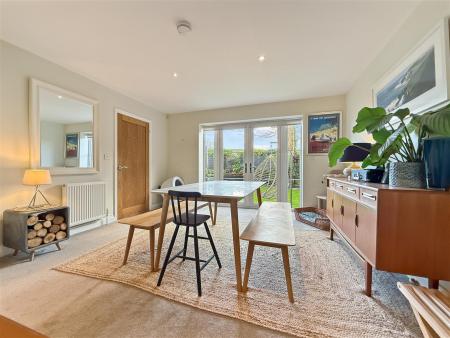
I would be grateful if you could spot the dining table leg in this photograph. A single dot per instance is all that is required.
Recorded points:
(162, 229)
(236, 243)
(258, 194)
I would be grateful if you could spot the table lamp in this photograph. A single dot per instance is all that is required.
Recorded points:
(355, 153)
(36, 177)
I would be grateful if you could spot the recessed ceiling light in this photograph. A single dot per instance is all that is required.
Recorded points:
(261, 58)
(59, 97)
(175, 74)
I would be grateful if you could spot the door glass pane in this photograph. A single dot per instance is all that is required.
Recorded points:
(233, 154)
(209, 154)
(294, 164)
(264, 162)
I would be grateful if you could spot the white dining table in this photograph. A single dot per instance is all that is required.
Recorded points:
(229, 192)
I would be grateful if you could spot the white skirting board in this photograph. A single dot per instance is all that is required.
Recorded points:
(92, 225)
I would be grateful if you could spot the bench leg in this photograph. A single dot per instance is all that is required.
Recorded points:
(287, 272)
(248, 264)
(127, 249)
(152, 249)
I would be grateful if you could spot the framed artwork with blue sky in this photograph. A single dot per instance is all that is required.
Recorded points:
(323, 129)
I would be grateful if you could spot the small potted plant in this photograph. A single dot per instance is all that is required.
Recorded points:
(398, 140)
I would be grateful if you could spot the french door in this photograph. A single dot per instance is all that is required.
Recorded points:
(269, 152)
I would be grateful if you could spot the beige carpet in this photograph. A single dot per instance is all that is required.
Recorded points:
(327, 282)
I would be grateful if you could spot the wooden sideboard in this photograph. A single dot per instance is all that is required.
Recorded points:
(398, 230)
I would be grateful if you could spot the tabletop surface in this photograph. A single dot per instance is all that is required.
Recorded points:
(228, 189)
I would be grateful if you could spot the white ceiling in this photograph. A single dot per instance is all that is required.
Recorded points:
(312, 48)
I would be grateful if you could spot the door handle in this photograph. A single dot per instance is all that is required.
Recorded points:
(342, 210)
(120, 167)
(369, 196)
(250, 167)
(356, 220)
(245, 168)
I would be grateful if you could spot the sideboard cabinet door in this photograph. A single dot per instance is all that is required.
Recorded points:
(330, 196)
(348, 220)
(337, 210)
(366, 232)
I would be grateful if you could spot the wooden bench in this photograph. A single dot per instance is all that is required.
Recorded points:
(272, 226)
(431, 308)
(151, 221)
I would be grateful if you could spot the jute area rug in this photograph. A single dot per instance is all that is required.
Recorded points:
(327, 281)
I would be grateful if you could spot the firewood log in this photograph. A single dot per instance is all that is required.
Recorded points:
(47, 224)
(61, 235)
(31, 234)
(49, 238)
(32, 220)
(49, 217)
(42, 232)
(63, 226)
(38, 226)
(54, 228)
(58, 220)
(34, 242)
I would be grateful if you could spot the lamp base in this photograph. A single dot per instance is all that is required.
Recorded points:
(32, 203)
(348, 171)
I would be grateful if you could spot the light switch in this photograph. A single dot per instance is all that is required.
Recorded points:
(106, 156)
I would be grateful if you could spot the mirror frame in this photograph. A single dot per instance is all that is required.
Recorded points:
(35, 129)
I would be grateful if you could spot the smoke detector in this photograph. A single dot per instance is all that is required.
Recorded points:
(183, 27)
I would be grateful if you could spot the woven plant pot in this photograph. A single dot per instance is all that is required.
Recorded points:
(407, 174)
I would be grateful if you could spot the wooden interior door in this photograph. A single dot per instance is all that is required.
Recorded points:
(132, 166)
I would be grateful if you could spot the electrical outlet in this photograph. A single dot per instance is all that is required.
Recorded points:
(106, 156)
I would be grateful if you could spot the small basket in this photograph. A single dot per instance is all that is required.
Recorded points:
(313, 216)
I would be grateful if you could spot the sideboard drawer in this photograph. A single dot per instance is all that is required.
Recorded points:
(369, 197)
(351, 191)
(338, 186)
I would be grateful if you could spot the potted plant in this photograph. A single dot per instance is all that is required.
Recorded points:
(398, 140)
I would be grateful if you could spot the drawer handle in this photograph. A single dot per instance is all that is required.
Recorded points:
(351, 190)
(369, 196)
(339, 186)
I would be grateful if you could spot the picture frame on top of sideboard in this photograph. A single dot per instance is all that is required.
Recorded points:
(421, 80)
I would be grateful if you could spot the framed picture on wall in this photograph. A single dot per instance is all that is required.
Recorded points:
(71, 145)
(421, 80)
(323, 129)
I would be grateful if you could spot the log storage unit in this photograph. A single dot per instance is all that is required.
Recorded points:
(28, 230)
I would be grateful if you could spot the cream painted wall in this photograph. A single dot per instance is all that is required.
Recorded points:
(17, 66)
(184, 127)
(416, 27)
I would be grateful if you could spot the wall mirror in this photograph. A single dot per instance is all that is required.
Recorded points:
(63, 129)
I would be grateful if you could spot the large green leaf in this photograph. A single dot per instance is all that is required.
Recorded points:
(337, 150)
(368, 119)
(392, 144)
(381, 123)
(435, 122)
(380, 136)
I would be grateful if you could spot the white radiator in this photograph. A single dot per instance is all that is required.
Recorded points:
(86, 201)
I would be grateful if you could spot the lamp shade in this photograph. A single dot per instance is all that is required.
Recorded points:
(36, 177)
(356, 154)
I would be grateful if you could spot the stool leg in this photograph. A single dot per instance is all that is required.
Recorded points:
(127, 249)
(152, 249)
(287, 272)
(212, 245)
(186, 236)
(169, 251)
(248, 264)
(197, 262)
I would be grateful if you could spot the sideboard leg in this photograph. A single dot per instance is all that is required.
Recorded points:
(32, 256)
(331, 233)
(16, 251)
(433, 283)
(368, 279)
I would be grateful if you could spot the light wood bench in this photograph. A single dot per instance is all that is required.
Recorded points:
(431, 308)
(151, 221)
(272, 226)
